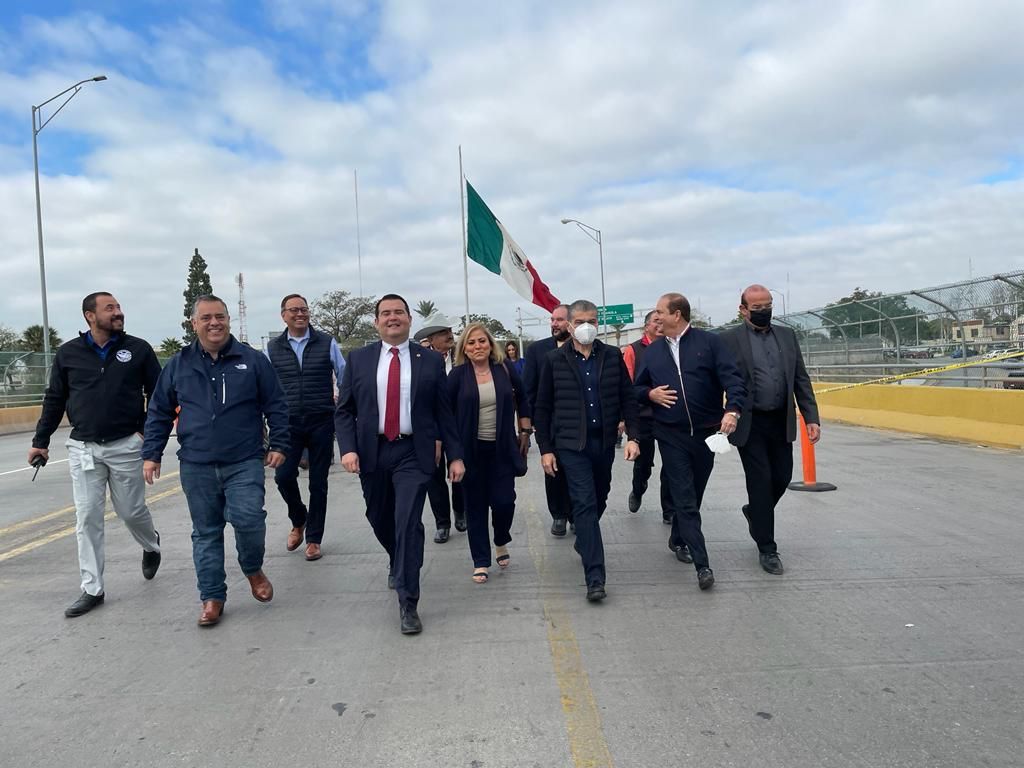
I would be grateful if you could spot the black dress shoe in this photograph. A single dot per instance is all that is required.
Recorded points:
(634, 503)
(558, 526)
(411, 624)
(150, 562)
(771, 562)
(705, 578)
(596, 593)
(391, 580)
(572, 527)
(83, 605)
(441, 535)
(666, 518)
(683, 554)
(460, 521)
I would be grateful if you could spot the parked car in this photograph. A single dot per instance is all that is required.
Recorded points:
(959, 352)
(1014, 379)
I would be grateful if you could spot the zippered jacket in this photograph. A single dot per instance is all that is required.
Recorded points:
(706, 372)
(222, 406)
(104, 398)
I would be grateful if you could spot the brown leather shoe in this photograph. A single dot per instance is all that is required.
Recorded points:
(212, 611)
(295, 538)
(262, 589)
(313, 551)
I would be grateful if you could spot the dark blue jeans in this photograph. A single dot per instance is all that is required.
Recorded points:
(490, 483)
(319, 439)
(219, 494)
(588, 474)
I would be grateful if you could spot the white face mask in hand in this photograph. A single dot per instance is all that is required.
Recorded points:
(585, 333)
(718, 443)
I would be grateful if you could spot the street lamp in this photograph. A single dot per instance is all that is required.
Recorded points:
(37, 125)
(595, 234)
(781, 296)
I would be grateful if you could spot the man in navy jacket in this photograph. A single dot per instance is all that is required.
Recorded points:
(555, 488)
(684, 374)
(393, 420)
(224, 389)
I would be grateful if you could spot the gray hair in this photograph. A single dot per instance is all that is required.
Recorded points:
(205, 298)
(581, 305)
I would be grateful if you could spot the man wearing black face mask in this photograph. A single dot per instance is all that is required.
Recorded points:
(770, 361)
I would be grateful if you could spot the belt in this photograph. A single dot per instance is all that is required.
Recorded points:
(403, 436)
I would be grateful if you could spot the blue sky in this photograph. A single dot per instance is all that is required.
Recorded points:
(841, 145)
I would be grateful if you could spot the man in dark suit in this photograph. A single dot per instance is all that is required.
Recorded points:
(555, 488)
(583, 394)
(769, 359)
(392, 419)
(684, 375)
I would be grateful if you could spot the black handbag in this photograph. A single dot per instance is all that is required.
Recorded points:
(518, 461)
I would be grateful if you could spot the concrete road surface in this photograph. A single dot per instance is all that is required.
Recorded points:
(895, 638)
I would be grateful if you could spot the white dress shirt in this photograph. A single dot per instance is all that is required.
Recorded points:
(673, 345)
(405, 396)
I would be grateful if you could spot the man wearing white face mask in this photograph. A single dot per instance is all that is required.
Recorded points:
(583, 392)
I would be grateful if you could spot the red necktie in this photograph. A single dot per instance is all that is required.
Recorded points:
(393, 401)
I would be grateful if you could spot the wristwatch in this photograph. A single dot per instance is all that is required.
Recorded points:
(526, 430)
(733, 413)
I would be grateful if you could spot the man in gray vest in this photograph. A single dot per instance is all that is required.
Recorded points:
(309, 366)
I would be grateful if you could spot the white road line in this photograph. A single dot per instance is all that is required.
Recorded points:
(26, 469)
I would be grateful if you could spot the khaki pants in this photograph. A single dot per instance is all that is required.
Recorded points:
(94, 466)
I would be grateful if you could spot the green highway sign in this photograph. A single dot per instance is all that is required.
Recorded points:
(615, 314)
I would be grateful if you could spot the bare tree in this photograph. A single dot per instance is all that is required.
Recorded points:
(348, 318)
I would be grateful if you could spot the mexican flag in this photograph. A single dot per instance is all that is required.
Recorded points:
(491, 246)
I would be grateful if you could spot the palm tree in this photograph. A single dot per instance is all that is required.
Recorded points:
(32, 338)
(169, 346)
(426, 308)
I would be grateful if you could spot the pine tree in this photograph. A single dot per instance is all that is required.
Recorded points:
(198, 284)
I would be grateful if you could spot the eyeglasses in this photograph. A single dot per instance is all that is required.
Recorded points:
(297, 310)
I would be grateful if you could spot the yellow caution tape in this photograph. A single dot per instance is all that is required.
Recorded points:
(923, 372)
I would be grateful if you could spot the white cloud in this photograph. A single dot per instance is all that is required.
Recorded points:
(715, 146)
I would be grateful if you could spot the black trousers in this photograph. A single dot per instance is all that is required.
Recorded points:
(588, 475)
(557, 492)
(642, 468)
(437, 492)
(394, 493)
(318, 438)
(768, 465)
(489, 484)
(687, 466)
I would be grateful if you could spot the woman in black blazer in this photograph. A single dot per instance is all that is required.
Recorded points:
(486, 395)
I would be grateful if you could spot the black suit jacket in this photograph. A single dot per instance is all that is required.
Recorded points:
(798, 383)
(356, 419)
(465, 396)
(536, 354)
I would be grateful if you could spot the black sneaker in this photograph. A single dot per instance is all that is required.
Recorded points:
(83, 605)
(558, 526)
(150, 561)
(596, 593)
(771, 562)
(634, 503)
(705, 578)
(460, 521)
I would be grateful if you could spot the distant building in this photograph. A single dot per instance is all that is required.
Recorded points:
(1017, 331)
(980, 332)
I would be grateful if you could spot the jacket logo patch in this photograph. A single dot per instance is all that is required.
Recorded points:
(242, 366)
(124, 355)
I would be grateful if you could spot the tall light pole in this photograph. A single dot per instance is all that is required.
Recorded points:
(781, 296)
(37, 126)
(595, 234)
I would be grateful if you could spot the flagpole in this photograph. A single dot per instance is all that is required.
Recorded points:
(359, 250)
(465, 248)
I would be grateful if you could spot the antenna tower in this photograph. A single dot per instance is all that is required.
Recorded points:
(243, 330)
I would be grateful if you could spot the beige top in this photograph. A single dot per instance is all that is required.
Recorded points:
(487, 426)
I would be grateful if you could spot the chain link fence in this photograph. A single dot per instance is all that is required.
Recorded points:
(868, 336)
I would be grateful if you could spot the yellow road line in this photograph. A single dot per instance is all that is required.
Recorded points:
(582, 718)
(58, 513)
(71, 528)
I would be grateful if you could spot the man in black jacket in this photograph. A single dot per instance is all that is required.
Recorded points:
(102, 380)
(307, 363)
(583, 393)
(555, 489)
(773, 368)
(684, 375)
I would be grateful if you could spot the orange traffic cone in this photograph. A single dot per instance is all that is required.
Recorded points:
(810, 481)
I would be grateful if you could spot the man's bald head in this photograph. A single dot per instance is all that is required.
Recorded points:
(755, 294)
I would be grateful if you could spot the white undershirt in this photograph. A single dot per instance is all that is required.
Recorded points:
(405, 370)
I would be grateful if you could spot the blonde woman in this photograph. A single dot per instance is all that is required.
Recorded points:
(487, 396)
